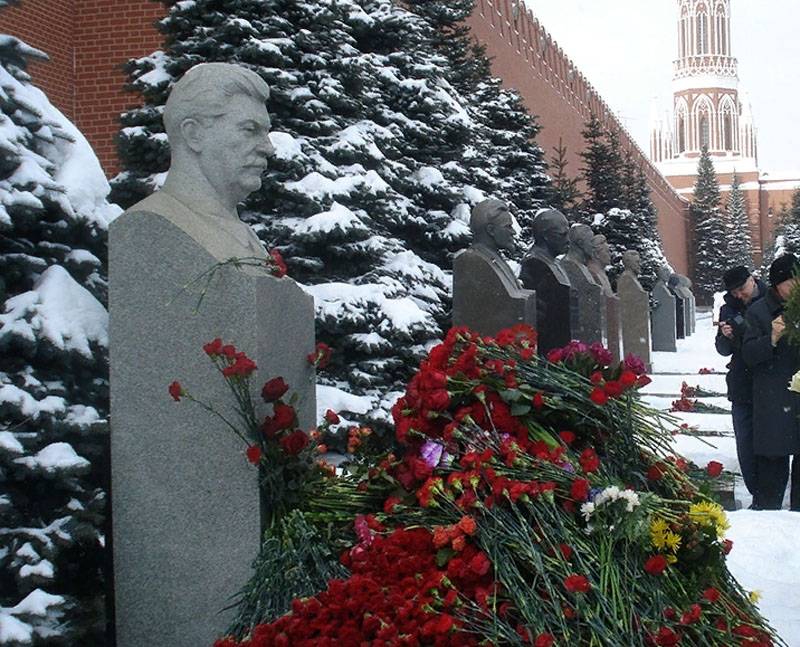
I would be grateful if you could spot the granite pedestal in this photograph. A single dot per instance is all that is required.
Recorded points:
(486, 295)
(556, 305)
(635, 311)
(662, 319)
(186, 508)
(590, 325)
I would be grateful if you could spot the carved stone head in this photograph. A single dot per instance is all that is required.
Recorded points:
(580, 243)
(663, 273)
(218, 128)
(601, 253)
(632, 262)
(551, 231)
(492, 225)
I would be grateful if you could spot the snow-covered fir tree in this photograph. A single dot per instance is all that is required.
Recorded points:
(710, 240)
(53, 368)
(565, 195)
(740, 248)
(379, 158)
(602, 169)
(789, 225)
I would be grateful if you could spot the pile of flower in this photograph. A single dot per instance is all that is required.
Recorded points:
(688, 402)
(536, 502)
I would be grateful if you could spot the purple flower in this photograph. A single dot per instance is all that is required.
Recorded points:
(567, 467)
(431, 452)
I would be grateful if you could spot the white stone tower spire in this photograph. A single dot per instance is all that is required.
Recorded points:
(705, 86)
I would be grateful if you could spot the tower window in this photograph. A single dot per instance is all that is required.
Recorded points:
(705, 139)
(681, 134)
(727, 132)
(702, 33)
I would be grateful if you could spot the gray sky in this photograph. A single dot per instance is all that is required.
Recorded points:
(626, 48)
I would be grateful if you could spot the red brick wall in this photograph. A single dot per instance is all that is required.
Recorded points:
(47, 25)
(528, 60)
(88, 42)
(109, 33)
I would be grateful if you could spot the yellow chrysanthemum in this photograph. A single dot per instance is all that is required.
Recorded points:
(710, 514)
(658, 531)
(754, 596)
(671, 559)
(672, 541)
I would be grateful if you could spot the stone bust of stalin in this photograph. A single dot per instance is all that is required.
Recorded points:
(218, 129)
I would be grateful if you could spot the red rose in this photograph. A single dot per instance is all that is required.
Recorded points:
(580, 489)
(176, 391)
(254, 454)
(577, 584)
(331, 417)
(589, 460)
(275, 389)
(598, 396)
(295, 442)
(213, 348)
(627, 379)
(711, 594)
(656, 565)
(284, 417)
(544, 640)
(276, 264)
(714, 468)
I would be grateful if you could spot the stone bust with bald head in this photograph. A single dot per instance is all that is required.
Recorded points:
(600, 260)
(493, 230)
(218, 129)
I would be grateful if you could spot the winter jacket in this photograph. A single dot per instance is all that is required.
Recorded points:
(739, 378)
(776, 410)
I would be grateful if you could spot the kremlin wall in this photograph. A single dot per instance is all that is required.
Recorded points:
(90, 40)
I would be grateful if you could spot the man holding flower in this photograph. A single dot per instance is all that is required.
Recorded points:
(776, 409)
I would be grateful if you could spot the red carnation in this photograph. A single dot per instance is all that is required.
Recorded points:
(544, 640)
(711, 594)
(277, 265)
(655, 472)
(577, 584)
(656, 565)
(275, 389)
(613, 389)
(566, 551)
(589, 460)
(580, 489)
(284, 417)
(727, 546)
(692, 615)
(714, 468)
(538, 401)
(627, 379)
(438, 400)
(480, 564)
(213, 348)
(666, 637)
(598, 396)
(176, 391)
(321, 356)
(295, 442)
(331, 417)
(568, 437)
(242, 367)
(254, 454)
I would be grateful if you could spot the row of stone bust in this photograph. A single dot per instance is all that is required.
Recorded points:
(563, 289)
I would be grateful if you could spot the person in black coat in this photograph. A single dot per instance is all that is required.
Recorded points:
(776, 410)
(743, 290)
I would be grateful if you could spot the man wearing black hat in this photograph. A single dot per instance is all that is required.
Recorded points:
(743, 290)
(776, 410)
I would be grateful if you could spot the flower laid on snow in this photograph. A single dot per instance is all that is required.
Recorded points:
(710, 514)
(714, 468)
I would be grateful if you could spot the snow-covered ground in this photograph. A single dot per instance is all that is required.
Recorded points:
(765, 556)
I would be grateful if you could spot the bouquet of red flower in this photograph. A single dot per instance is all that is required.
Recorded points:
(536, 503)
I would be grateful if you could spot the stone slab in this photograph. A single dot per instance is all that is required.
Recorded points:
(186, 508)
(484, 298)
(614, 327)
